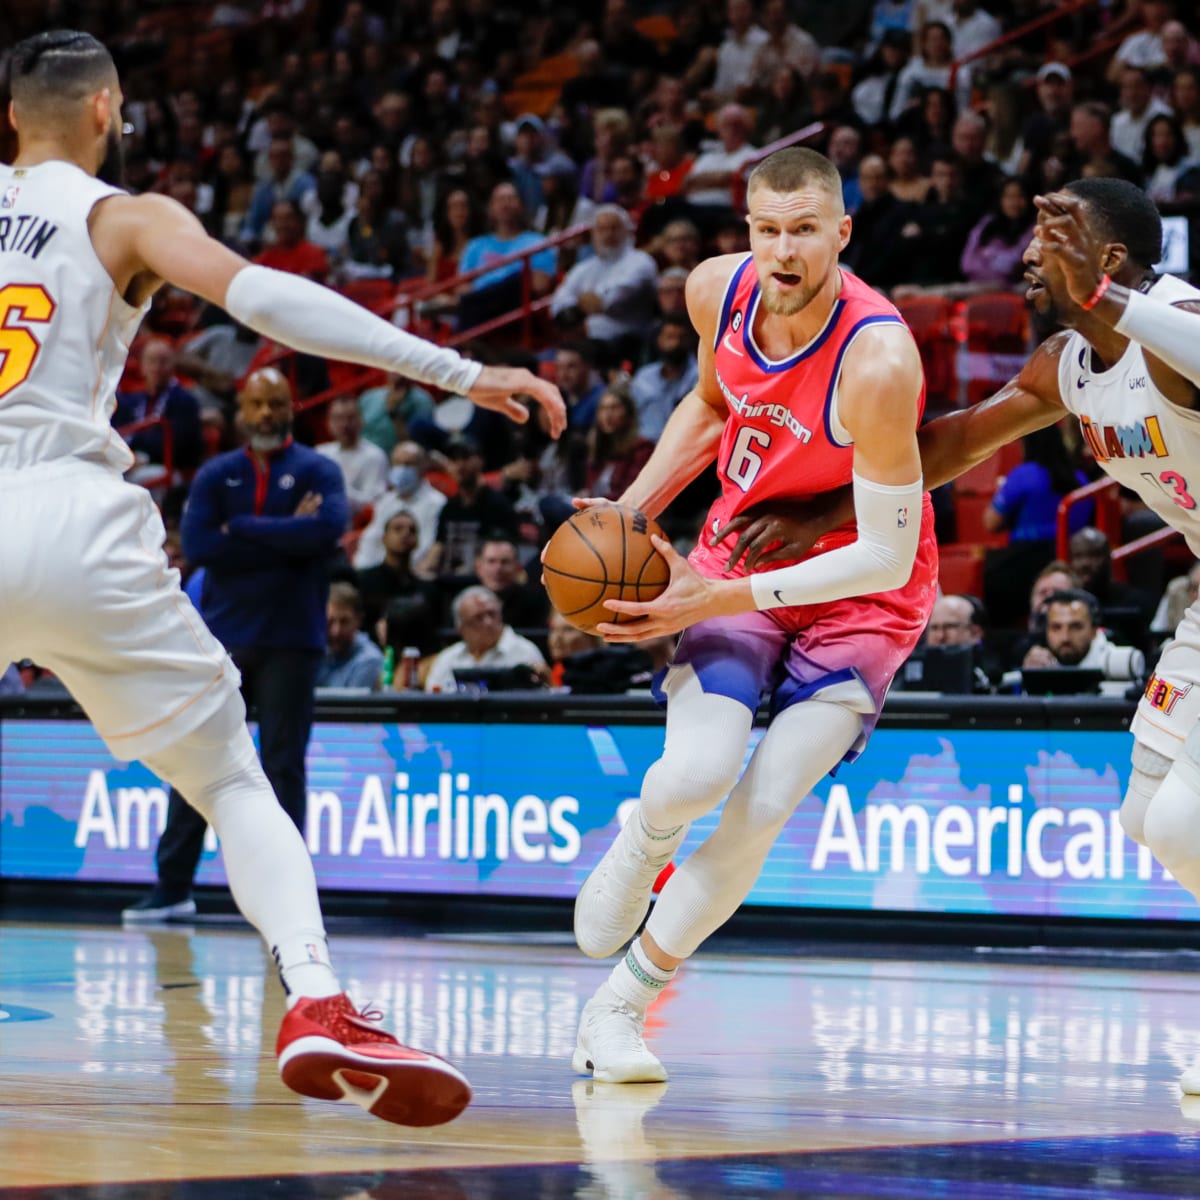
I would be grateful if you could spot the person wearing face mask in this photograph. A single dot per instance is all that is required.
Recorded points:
(264, 521)
(660, 385)
(613, 291)
(408, 491)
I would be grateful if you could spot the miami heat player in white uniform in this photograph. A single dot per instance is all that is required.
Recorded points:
(1128, 368)
(84, 585)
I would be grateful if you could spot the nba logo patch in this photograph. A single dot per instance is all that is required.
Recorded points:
(1163, 695)
(9, 199)
(736, 323)
(902, 518)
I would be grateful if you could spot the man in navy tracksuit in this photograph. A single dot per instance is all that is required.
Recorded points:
(263, 522)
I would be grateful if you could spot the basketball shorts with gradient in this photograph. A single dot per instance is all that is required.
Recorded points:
(1170, 706)
(844, 652)
(86, 592)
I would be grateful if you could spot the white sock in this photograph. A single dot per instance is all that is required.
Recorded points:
(636, 980)
(304, 967)
(658, 845)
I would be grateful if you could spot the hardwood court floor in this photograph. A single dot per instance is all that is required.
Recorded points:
(139, 1064)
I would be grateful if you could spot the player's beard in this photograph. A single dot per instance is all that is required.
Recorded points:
(786, 304)
(112, 169)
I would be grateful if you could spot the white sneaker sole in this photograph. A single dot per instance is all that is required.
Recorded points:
(169, 912)
(646, 1072)
(418, 1091)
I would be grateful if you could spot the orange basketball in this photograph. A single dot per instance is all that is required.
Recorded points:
(600, 554)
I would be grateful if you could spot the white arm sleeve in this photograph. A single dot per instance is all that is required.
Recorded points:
(889, 528)
(1169, 333)
(316, 320)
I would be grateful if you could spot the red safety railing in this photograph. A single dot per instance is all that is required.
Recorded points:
(167, 476)
(1108, 514)
(1015, 35)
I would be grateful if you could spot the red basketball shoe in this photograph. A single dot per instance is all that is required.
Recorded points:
(329, 1050)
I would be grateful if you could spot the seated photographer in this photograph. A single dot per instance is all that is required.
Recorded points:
(1074, 639)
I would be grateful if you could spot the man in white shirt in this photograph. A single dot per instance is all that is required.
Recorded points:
(614, 289)
(709, 181)
(1138, 108)
(787, 45)
(408, 491)
(1143, 49)
(971, 28)
(364, 466)
(736, 54)
(486, 642)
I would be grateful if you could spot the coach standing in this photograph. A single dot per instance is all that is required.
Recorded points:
(263, 521)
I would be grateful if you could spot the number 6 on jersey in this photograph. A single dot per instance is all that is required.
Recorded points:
(18, 347)
(744, 460)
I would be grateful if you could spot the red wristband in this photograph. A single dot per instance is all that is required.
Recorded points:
(1098, 295)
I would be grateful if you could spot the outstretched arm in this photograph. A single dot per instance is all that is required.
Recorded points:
(150, 238)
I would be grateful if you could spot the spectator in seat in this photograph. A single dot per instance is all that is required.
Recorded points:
(955, 621)
(1168, 168)
(659, 386)
(736, 55)
(1091, 560)
(331, 207)
(162, 395)
(616, 449)
(1026, 502)
(670, 163)
(377, 236)
(351, 659)
(1180, 594)
(611, 135)
(363, 465)
(1143, 49)
(1185, 100)
(626, 187)
(936, 234)
(499, 291)
(531, 151)
(874, 248)
(991, 259)
(671, 291)
(875, 90)
(982, 178)
(391, 412)
(844, 151)
(1074, 639)
(455, 224)
(613, 290)
(563, 642)
(1055, 92)
(709, 183)
(216, 358)
(408, 491)
(486, 641)
(1139, 107)
(578, 381)
(475, 512)
(677, 246)
(498, 568)
(971, 28)
(783, 108)
(930, 69)
(290, 251)
(288, 182)
(395, 578)
(907, 182)
(561, 207)
(786, 45)
(1092, 149)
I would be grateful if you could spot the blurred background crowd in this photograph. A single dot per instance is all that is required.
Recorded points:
(533, 183)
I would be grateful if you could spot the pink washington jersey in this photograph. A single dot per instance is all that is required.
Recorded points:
(783, 439)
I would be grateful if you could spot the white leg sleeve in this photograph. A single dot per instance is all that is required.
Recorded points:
(1149, 770)
(1172, 822)
(266, 860)
(705, 745)
(802, 745)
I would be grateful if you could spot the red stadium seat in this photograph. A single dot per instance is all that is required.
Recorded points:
(960, 569)
(981, 479)
(993, 334)
(968, 510)
(929, 319)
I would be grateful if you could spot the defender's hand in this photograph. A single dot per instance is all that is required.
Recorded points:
(780, 533)
(497, 389)
(1065, 237)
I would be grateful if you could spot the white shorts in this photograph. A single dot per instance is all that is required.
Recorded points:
(1170, 706)
(85, 591)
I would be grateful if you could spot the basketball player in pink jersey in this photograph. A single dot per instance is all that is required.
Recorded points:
(85, 587)
(809, 381)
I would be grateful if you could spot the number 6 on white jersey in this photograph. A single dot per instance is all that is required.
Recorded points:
(744, 460)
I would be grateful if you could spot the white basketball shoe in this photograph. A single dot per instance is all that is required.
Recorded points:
(615, 897)
(610, 1045)
(1189, 1081)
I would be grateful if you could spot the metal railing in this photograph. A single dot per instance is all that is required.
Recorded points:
(805, 134)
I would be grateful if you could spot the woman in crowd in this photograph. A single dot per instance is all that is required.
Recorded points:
(991, 258)
(616, 451)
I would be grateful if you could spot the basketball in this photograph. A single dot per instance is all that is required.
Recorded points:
(600, 554)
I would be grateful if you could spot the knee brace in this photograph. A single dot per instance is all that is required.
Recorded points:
(1149, 770)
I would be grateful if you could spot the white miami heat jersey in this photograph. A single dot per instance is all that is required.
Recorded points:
(64, 330)
(1138, 436)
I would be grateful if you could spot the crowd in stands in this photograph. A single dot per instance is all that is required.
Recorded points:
(390, 148)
